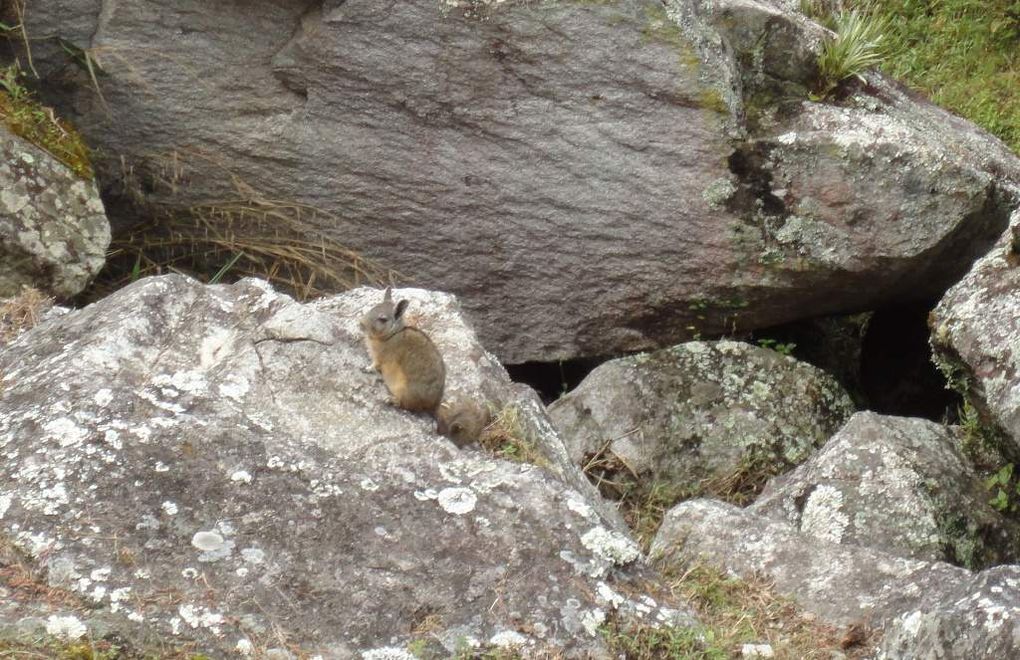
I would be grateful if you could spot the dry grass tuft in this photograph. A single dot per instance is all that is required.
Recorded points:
(644, 499)
(22, 312)
(247, 234)
(26, 582)
(506, 438)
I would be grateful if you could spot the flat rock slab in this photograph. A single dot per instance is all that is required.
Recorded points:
(899, 485)
(214, 464)
(589, 177)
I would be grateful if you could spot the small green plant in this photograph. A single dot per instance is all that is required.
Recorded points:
(777, 346)
(1006, 489)
(215, 279)
(856, 47)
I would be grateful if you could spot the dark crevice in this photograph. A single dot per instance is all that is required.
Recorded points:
(754, 192)
(553, 379)
(898, 376)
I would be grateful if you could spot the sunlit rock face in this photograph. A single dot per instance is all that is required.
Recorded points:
(589, 177)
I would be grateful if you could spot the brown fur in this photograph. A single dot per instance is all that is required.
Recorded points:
(411, 365)
(412, 368)
(463, 421)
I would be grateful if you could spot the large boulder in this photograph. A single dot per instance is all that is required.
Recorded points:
(53, 227)
(931, 609)
(701, 412)
(216, 465)
(899, 485)
(589, 177)
(976, 337)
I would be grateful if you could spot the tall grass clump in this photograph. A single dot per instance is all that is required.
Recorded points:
(856, 47)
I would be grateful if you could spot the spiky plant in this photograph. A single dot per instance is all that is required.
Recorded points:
(856, 47)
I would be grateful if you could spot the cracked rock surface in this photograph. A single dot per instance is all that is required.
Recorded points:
(604, 177)
(213, 464)
(53, 227)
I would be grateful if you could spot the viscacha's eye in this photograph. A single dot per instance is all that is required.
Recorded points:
(381, 319)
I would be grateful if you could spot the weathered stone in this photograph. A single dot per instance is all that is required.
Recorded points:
(53, 228)
(590, 177)
(701, 411)
(842, 584)
(976, 336)
(929, 609)
(980, 620)
(895, 484)
(217, 464)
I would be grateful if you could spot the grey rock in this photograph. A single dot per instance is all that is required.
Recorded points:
(976, 335)
(842, 584)
(898, 485)
(53, 227)
(701, 411)
(260, 488)
(980, 620)
(922, 609)
(590, 178)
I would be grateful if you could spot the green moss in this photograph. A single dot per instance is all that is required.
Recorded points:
(711, 99)
(964, 54)
(27, 118)
(659, 27)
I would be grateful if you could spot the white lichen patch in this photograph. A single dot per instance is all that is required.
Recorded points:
(244, 647)
(234, 388)
(611, 546)
(253, 555)
(67, 628)
(191, 382)
(5, 504)
(591, 621)
(241, 476)
(581, 508)
(103, 397)
(213, 546)
(118, 596)
(718, 192)
(508, 639)
(169, 508)
(822, 516)
(200, 617)
(388, 653)
(608, 595)
(457, 501)
(65, 432)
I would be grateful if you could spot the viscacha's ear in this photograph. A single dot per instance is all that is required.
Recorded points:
(388, 296)
(401, 308)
